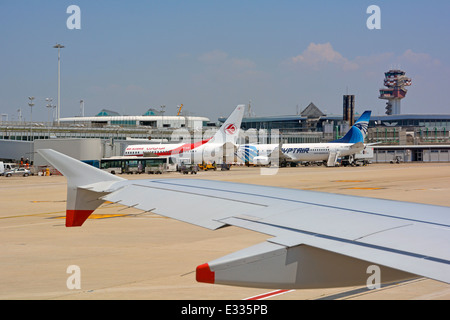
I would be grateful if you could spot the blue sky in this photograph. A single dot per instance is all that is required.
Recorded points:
(211, 55)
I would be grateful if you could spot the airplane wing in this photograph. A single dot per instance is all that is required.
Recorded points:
(277, 154)
(358, 145)
(315, 240)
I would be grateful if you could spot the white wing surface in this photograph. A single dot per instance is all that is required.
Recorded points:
(316, 239)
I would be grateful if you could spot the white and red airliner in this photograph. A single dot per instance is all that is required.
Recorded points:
(206, 150)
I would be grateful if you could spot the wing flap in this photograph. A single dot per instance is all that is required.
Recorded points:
(388, 252)
(405, 238)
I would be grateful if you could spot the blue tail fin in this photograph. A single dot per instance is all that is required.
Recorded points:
(358, 131)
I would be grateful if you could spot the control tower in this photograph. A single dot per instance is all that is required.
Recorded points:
(395, 81)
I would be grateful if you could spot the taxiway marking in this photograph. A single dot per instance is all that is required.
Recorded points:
(268, 295)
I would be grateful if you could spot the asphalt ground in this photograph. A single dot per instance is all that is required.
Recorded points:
(123, 253)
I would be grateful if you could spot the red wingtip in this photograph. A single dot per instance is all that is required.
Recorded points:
(204, 274)
(75, 218)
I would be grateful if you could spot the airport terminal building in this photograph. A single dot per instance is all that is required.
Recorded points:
(385, 129)
(151, 119)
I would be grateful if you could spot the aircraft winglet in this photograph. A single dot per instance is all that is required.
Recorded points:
(80, 202)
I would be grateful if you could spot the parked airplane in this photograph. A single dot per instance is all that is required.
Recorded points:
(351, 143)
(317, 240)
(206, 150)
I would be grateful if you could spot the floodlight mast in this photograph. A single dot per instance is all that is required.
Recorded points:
(58, 109)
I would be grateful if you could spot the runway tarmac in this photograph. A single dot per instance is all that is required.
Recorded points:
(125, 254)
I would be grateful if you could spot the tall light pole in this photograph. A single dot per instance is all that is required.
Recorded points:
(19, 114)
(162, 112)
(31, 104)
(82, 108)
(58, 110)
(49, 107)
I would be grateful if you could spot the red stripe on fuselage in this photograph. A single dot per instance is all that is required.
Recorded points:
(183, 148)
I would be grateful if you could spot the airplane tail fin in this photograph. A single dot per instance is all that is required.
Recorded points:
(229, 131)
(358, 131)
(81, 202)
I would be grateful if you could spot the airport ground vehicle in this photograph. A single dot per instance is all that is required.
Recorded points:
(361, 158)
(397, 159)
(134, 164)
(207, 166)
(6, 166)
(188, 168)
(17, 172)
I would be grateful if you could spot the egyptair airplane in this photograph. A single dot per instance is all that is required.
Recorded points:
(208, 149)
(316, 240)
(351, 143)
